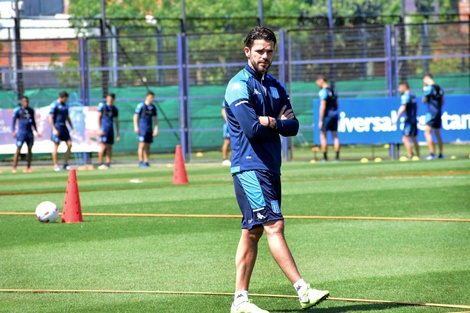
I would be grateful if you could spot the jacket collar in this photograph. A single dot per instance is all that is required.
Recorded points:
(257, 75)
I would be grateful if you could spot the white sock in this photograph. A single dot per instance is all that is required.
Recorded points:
(240, 297)
(300, 286)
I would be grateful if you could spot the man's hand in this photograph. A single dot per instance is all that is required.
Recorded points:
(100, 133)
(13, 134)
(118, 138)
(286, 114)
(155, 133)
(73, 131)
(320, 125)
(136, 130)
(55, 132)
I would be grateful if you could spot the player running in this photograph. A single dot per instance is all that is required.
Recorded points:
(144, 116)
(58, 118)
(434, 97)
(107, 116)
(328, 116)
(258, 112)
(409, 107)
(24, 115)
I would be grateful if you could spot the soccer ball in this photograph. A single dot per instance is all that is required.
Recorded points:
(47, 212)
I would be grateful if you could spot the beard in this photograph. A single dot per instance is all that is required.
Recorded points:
(261, 67)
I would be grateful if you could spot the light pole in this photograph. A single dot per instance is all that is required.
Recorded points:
(18, 54)
(104, 51)
(260, 12)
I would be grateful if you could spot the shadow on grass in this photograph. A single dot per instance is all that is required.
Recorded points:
(347, 308)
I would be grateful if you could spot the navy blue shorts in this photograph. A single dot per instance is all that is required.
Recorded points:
(433, 121)
(259, 197)
(24, 137)
(146, 137)
(330, 124)
(410, 129)
(64, 135)
(107, 138)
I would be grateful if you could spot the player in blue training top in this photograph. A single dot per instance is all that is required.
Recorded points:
(434, 97)
(226, 137)
(259, 111)
(328, 116)
(23, 132)
(107, 117)
(409, 107)
(59, 118)
(145, 116)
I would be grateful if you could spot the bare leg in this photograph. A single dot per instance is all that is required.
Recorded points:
(140, 151)
(428, 135)
(323, 142)
(30, 156)
(336, 143)
(54, 154)
(246, 256)
(109, 153)
(101, 153)
(15, 157)
(280, 251)
(407, 144)
(146, 152)
(225, 148)
(437, 132)
(415, 143)
(67, 153)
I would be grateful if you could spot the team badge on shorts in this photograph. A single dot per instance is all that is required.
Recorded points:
(275, 207)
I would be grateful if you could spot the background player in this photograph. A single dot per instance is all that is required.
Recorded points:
(328, 116)
(144, 116)
(434, 97)
(26, 123)
(409, 106)
(226, 136)
(58, 118)
(107, 116)
(258, 111)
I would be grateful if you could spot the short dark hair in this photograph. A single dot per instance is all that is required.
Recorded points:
(322, 77)
(112, 95)
(150, 93)
(24, 97)
(64, 94)
(427, 75)
(404, 82)
(259, 32)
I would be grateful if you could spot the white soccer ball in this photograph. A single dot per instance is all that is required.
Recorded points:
(47, 212)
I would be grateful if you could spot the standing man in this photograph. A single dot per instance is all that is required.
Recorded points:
(144, 117)
(58, 118)
(226, 136)
(107, 116)
(26, 123)
(409, 106)
(258, 111)
(434, 97)
(328, 116)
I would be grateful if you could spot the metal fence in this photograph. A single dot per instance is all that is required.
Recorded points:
(189, 71)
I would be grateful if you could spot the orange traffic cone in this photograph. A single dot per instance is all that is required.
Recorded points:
(72, 211)
(179, 172)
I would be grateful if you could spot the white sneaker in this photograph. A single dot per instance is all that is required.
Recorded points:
(226, 163)
(57, 169)
(246, 307)
(312, 297)
(103, 167)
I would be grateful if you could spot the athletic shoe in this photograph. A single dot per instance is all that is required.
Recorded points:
(57, 169)
(441, 156)
(103, 167)
(67, 167)
(28, 170)
(226, 162)
(246, 307)
(14, 170)
(143, 164)
(432, 156)
(312, 297)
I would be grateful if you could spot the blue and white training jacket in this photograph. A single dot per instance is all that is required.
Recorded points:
(254, 146)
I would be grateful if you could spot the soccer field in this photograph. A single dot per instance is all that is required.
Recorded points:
(155, 247)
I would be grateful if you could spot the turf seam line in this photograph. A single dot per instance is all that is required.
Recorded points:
(319, 217)
(199, 293)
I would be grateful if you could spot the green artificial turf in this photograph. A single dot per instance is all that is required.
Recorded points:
(397, 260)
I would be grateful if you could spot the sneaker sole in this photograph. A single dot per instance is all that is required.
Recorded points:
(316, 303)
